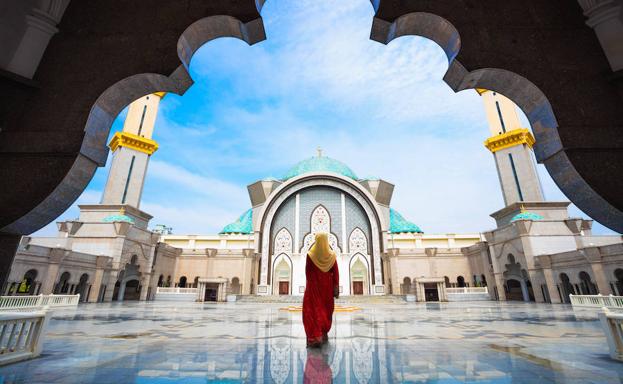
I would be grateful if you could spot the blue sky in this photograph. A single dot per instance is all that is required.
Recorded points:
(318, 80)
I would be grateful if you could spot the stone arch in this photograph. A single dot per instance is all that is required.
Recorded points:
(114, 99)
(549, 149)
(356, 263)
(281, 264)
(83, 287)
(160, 280)
(282, 243)
(182, 282)
(406, 286)
(587, 286)
(28, 285)
(320, 221)
(235, 286)
(296, 184)
(460, 281)
(62, 286)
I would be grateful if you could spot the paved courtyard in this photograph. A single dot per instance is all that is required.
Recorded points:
(479, 342)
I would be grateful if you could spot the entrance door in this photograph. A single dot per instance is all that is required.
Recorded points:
(357, 287)
(211, 292)
(430, 292)
(284, 287)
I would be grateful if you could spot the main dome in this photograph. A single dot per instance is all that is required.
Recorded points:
(320, 164)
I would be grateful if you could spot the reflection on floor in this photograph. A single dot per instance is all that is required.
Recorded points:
(480, 342)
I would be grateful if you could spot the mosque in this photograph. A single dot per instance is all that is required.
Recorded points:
(535, 253)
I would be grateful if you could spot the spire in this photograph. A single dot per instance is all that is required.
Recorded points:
(319, 149)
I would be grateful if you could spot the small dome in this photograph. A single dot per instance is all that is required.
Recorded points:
(118, 217)
(398, 224)
(526, 216)
(320, 164)
(243, 225)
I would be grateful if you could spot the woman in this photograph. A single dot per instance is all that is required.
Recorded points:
(322, 287)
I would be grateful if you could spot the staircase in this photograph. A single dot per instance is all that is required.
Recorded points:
(359, 299)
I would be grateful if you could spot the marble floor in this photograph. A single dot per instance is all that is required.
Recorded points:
(479, 342)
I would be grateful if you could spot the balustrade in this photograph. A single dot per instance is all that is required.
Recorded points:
(596, 301)
(10, 303)
(21, 335)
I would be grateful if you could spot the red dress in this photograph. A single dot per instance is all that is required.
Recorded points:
(318, 300)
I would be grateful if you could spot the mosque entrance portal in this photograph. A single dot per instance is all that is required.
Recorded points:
(211, 293)
(430, 292)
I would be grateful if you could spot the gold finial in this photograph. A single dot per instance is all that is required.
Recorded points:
(319, 151)
(122, 211)
(522, 209)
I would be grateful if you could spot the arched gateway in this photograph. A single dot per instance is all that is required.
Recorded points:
(320, 195)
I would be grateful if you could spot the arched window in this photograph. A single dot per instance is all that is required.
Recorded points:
(406, 286)
(82, 288)
(160, 280)
(63, 284)
(618, 274)
(235, 286)
(168, 282)
(196, 282)
(133, 259)
(483, 280)
(460, 281)
(182, 283)
(446, 279)
(567, 287)
(27, 286)
(587, 286)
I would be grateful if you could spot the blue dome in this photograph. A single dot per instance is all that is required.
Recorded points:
(526, 216)
(243, 225)
(398, 224)
(118, 217)
(320, 164)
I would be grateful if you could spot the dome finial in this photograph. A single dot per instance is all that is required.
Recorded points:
(319, 151)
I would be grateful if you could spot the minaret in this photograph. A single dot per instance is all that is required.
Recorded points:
(131, 151)
(511, 146)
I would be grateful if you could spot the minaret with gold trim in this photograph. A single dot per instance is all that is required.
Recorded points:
(131, 151)
(511, 146)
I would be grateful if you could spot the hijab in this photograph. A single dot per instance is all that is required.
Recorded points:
(321, 254)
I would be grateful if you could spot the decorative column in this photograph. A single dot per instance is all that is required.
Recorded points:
(499, 282)
(594, 257)
(56, 256)
(100, 264)
(40, 27)
(605, 17)
(524, 290)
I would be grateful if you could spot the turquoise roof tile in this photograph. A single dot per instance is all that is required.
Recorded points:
(118, 217)
(320, 164)
(526, 216)
(398, 224)
(243, 225)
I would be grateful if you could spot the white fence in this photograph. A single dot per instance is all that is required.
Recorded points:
(611, 324)
(468, 290)
(21, 335)
(176, 290)
(596, 301)
(12, 303)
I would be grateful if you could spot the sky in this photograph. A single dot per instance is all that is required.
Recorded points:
(319, 81)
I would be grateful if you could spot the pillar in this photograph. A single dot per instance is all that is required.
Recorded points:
(40, 27)
(97, 280)
(537, 281)
(121, 290)
(524, 290)
(499, 282)
(603, 286)
(56, 256)
(604, 17)
(8, 248)
(144, 288)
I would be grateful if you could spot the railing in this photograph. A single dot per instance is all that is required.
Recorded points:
(467, 290)
(21, 335)
(596, 301)
(611, 324)
(176, 290)
(11, 303)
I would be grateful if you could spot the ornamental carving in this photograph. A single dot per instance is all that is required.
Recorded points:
(320, 220)
(357, 242)
(283, 242)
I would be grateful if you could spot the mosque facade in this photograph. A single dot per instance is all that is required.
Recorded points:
(536, 252)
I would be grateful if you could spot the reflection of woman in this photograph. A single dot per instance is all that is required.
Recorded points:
(322, 286)
(317, 370)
